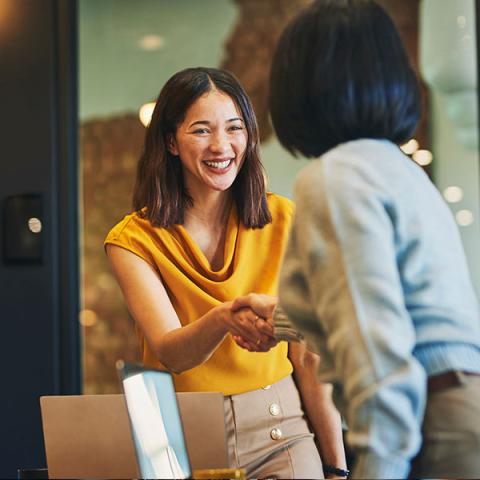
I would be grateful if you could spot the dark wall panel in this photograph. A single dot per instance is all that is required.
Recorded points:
(37, 300)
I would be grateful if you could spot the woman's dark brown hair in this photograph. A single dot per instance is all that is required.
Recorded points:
(160, 194)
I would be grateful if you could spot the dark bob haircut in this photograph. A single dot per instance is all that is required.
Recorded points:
(340, 73)
(160, 194)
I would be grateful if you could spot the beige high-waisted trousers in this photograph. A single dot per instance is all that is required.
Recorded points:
(451, 432)
(268, 435)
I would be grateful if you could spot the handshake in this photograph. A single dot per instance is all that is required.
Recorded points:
(259, 323)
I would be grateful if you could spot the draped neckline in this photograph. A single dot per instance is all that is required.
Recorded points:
(198, 258)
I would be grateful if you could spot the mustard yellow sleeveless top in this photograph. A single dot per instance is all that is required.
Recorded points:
(252, 261)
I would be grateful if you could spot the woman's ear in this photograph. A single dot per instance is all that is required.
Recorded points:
(172, 144)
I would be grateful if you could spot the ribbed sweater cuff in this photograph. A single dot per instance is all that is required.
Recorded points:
(369, 465)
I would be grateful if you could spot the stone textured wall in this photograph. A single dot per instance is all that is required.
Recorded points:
(109, 152)
(249, 50)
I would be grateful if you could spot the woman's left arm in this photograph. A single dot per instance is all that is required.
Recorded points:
(318, 405)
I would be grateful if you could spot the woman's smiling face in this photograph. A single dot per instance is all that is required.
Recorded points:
(210, 142)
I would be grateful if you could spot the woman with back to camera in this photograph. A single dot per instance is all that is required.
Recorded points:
(203, 233)
(374, 273)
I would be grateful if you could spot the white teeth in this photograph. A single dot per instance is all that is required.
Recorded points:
(219, 165)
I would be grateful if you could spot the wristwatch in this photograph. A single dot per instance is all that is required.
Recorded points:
(339, 472)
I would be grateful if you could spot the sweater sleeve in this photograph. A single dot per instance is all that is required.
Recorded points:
(340, 285)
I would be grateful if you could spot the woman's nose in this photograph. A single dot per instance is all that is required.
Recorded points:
(219, 144)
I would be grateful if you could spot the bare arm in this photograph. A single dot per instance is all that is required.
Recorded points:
(317, 401)
(152, 309)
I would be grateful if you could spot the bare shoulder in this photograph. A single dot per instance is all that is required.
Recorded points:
(128, 265)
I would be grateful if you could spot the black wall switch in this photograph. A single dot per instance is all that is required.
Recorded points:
(23, 229)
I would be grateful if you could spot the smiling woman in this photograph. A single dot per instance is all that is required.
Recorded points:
(201, 115)
(204, 232)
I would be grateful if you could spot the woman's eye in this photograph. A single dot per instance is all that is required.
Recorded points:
(236, 127)
(201, 130)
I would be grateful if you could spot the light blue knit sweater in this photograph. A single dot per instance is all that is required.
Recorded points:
(375, 276)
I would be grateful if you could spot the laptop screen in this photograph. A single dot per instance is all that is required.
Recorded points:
(155, 420)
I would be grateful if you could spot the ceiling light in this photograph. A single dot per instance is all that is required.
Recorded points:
(423, 157)
(145, 113)
(151, 42)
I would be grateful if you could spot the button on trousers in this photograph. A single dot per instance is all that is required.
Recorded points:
(268, 434)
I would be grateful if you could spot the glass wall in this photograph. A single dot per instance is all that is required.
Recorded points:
(129, 48)
(448, 52)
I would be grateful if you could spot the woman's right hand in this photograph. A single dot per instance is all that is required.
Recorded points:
(263, 330)
(249, 329)
(246, 324)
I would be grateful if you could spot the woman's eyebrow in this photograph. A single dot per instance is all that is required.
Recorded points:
(206, 122)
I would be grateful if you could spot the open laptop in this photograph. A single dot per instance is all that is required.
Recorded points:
(89, 436)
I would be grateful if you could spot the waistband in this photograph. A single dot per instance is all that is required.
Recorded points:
(450, 379)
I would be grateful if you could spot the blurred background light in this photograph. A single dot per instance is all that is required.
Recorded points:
(453, 194)
(88, 318)
(464, 218)
(145, 113)
(410, 147)
(151, 43)
(423, 157)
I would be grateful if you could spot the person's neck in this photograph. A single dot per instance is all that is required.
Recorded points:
(210, 209)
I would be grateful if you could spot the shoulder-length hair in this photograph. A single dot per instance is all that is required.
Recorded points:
(340, 73)
(160, 194)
